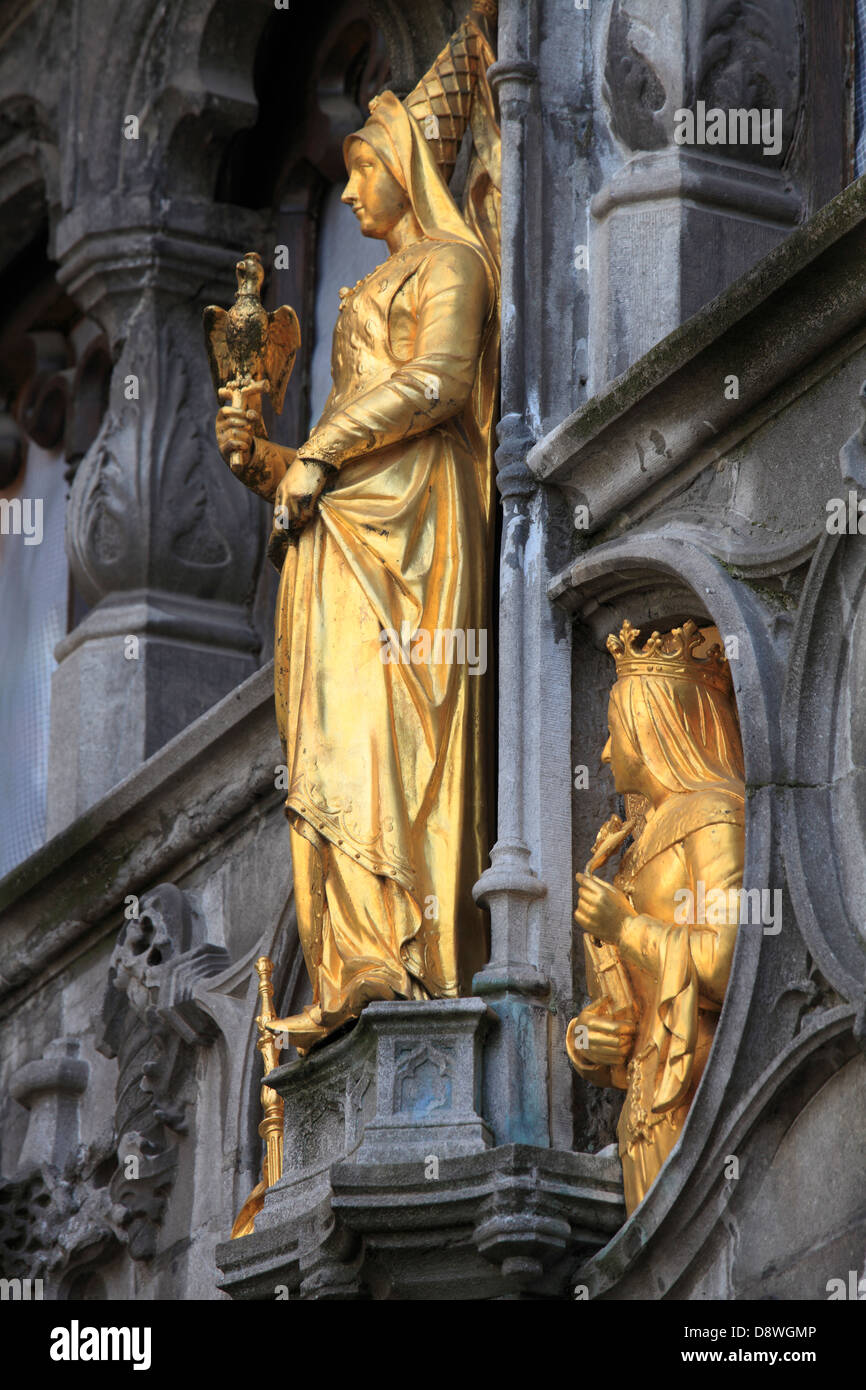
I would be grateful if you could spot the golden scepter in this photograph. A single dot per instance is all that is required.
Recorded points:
(251, 351)
(604, 959)
(271, 1125)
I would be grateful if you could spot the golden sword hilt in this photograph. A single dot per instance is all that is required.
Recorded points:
(271, 1126)
(606, 960)
(236, 393)
(612, 834)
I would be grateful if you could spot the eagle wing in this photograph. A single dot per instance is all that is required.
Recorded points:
(221, 364)
(284, 339)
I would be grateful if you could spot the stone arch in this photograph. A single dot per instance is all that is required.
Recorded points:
(824, 810)
(203, 113)
(311, 77)
(414, 35)
(312, 82)
(704, 1246)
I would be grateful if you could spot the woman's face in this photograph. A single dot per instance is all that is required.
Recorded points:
(373, 194)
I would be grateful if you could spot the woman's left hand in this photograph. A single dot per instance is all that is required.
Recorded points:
(601, 908)
(297, 493)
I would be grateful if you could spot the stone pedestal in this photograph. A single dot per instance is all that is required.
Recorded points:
(428, 1081)
(391, 1186)
(404, 1086)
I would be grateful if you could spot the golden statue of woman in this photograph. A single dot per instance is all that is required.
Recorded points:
(383, 527)
(660, 939)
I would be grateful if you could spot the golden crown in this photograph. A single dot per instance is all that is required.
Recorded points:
(670, 655)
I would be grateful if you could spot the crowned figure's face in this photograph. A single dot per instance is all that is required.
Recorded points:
(629, 772)
(372, 192)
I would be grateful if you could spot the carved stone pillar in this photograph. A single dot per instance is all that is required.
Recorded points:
(51, 1089)
(516, 1081)
(161, 539)
(677, 223)
(55, 1215)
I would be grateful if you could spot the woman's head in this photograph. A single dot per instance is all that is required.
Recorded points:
(375, 195)
(671, 735)
(391, 142)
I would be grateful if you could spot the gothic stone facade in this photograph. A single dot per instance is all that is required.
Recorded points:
(684, 341)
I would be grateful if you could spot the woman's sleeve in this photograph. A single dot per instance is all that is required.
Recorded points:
(714, 855)
(435, 383)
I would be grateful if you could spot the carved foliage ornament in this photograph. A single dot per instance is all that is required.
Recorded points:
(145, 510)
(152, 1024)
(739, 55)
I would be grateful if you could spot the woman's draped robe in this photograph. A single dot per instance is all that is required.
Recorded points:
(384, 750)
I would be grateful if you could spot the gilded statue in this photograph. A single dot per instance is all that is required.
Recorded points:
(383, 531)
(657, 960)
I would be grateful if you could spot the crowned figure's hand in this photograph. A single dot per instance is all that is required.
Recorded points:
(601, 908)
(609, 1041)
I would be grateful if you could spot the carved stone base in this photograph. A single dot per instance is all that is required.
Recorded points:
(405, 1084)
(428, 1081)
(391, 1186)
(508, 1222)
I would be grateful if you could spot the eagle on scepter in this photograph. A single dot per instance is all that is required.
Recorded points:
(251, 351)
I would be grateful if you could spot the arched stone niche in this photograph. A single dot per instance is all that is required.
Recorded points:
(309, 77)
(414, 34)
(313, 82)
(658, 580)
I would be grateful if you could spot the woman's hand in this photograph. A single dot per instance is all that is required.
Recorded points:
(236, 431)
(298, 492)
(601, 908)
(608, 1041)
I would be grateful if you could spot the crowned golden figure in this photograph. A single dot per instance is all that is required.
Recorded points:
(383, 526)
(659, 940)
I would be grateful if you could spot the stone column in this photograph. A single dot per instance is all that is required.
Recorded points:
(516, 1079)
(50, 1089)
(674, 224)
(162, 541)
